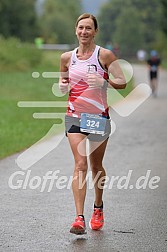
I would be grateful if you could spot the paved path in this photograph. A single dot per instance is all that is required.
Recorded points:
(136, 219)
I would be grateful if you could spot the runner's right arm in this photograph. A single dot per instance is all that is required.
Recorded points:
(64, 78)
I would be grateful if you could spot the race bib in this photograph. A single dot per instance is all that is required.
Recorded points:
(92, 123)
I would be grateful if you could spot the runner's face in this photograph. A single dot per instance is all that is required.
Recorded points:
(85, 31)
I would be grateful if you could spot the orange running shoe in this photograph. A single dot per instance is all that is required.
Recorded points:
(97, 220)
(78, 227)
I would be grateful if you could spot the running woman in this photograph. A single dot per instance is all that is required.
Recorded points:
(85, 75)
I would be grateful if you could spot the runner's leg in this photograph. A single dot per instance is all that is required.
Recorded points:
(155, 86)
(80, 170)
(96, 158)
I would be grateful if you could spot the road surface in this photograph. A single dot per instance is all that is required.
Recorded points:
(33, 219)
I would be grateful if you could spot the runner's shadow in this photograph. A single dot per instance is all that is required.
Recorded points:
(80, 241)
(92, 238)
(98, 234)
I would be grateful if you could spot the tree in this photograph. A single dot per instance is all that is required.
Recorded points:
(117, 15)
(161, 42)
(107, 20)
(58, 20)
(164, 16)
(18, 19)
(128, 34)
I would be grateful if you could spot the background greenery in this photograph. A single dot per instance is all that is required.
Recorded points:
(18, 129)
(131, 24)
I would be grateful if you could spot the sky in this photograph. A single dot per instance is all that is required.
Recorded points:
(92, 6)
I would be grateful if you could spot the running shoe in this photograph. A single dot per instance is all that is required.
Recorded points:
(78, 227)
(97, 220)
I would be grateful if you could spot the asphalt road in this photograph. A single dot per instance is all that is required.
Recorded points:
(33, 219)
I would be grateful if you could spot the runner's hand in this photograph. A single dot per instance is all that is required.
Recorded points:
(63, 85)
(95, 80)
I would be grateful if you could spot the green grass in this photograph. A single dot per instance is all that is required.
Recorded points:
(164, 63)
(18, 128)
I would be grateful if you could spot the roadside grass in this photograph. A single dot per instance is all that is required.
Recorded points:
(18, 129)
(164, 63)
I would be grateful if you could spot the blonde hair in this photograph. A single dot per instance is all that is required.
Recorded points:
(87, 15)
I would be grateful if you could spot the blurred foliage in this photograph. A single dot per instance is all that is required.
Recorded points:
(130, 24)
(18, 19)
(161, 42)
(124, 33)
(133, 24)
(15, 55)
(58, 21)
(164, 16)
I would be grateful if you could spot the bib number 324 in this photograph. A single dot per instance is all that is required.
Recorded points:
(92, 123)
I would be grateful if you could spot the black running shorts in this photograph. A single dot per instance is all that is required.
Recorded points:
(153, 75)
(72, 125)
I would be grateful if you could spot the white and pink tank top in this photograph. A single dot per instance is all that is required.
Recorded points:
(82, 98)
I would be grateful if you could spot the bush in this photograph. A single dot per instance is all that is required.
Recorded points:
(15, 55)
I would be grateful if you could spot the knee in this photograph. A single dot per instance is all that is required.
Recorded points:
(96, 167)
(81, 166)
